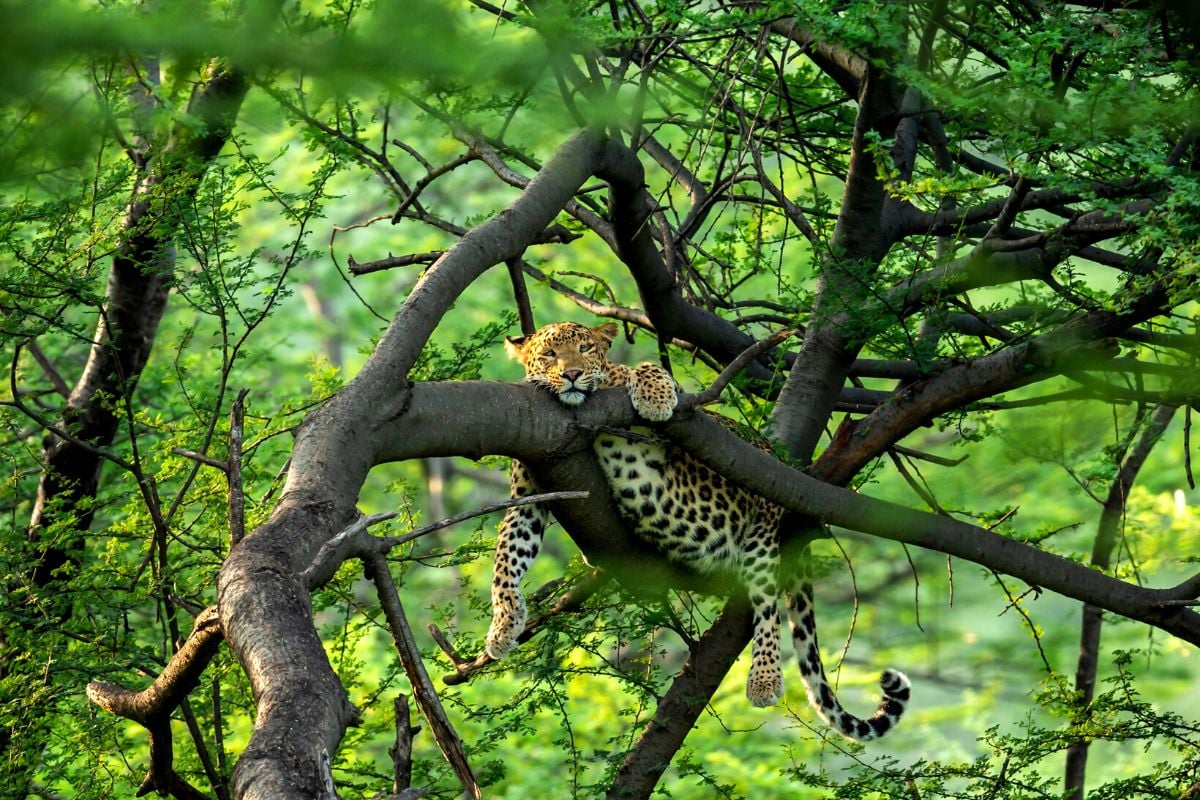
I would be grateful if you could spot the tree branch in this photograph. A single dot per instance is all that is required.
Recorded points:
(427, 698)
(498, 424)
(760, 473)
(860, 240)
(302, 707)
(710, 660)
(1107, 531)
(152, 707)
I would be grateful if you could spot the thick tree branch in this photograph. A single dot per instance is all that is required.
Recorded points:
(302, 707)
(514, 420)
(670, 314)
(848, 70)
(760, 473)
(1079, 344)
(859, 243)
(710, 660)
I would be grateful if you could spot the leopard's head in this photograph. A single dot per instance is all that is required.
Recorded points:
(565, 358)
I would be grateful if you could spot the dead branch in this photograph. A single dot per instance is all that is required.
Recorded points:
(427, 698)
(432, 175)
(392, 261)
(542, 497)
(208, 461)
(344, 544)
(56, 379)
(401, 750)
(237, 495)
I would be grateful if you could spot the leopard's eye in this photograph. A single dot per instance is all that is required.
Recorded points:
(585, 347)
(548, 354)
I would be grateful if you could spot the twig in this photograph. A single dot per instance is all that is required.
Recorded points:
(713, 392)
(392, 261)
(237, 494)
(203, 459)
(431, 175)
(47, 366)
(342, 545)
(455, 657)
(387, 543)
(921, 491)
(930, 457)
(1014, 602)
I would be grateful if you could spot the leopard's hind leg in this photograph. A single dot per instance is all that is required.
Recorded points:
(759, 572)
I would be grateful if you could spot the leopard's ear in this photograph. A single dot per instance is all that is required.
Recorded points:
(515, 347)
(606, 333)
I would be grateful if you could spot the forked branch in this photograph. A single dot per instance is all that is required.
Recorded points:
(152, 707)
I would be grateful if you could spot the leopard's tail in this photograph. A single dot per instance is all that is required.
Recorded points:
(895, 685)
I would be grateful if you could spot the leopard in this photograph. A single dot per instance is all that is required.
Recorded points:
(683, 508)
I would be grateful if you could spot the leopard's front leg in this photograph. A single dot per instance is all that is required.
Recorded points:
(517, 546)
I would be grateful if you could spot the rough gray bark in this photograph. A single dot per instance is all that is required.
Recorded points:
(501, 405)
(860, 240)
(302, 708)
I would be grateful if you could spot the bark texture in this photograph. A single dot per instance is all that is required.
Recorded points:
(303, 710)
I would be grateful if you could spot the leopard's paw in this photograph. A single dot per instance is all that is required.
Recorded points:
(508, 623)
(764, 687)
(652, 392)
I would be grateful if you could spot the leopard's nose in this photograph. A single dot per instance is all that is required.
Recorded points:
(572, 374)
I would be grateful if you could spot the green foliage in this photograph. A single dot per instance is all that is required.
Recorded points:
(1014, 765)
(352, 105)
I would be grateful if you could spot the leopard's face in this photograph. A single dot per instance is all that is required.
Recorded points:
(565, 358)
